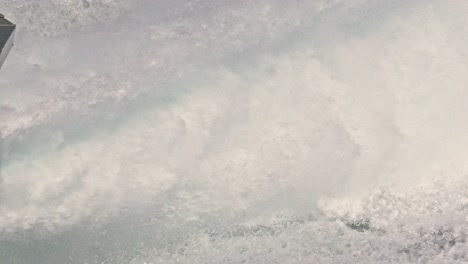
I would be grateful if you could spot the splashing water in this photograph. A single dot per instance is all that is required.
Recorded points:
(235, 132)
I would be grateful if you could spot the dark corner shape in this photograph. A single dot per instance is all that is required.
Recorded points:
(7, 34)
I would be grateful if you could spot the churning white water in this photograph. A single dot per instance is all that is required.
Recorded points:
(216, 131)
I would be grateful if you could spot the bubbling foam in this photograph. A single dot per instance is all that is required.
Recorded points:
(312, 137)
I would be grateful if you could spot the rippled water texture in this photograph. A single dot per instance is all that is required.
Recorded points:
(266, 131)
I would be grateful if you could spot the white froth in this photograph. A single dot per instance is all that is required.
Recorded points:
(235, 132)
